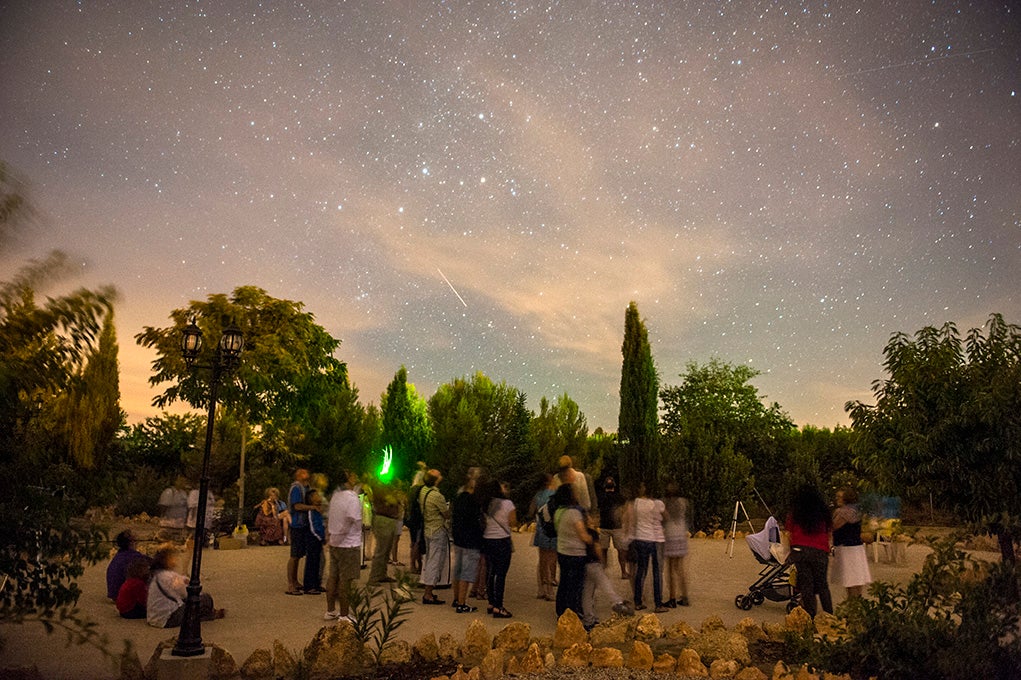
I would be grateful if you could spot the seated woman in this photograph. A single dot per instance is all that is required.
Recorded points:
(272, 520)
(134, 592)
(167, 592)
(116, 573)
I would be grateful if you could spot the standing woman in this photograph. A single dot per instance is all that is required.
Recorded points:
(809, 526)
(675, 546)
(647, 516)
(572, 539)
(496, 543)
(546, 569)
(850, 563)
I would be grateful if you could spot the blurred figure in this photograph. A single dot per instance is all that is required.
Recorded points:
(546, 569)
(117, 571)
(316, 499)
(809, 526)
(611, 522)
(647, 518)
(497, 545)
(271, 518)
(167, 592)
(596, 579)
(134, 592)
(467, 523)
(386, 509)
(675, 545)
(173, 504)
(850, 562)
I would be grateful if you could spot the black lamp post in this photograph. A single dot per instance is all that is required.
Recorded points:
(226, 359)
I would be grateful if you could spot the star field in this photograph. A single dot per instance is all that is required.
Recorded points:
(484, 186)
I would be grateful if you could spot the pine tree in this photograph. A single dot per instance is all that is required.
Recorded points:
(638, 422)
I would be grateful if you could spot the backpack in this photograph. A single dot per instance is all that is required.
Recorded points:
(414, 519)
(544, 519)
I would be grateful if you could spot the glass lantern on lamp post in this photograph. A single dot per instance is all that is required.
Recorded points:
(225, 360)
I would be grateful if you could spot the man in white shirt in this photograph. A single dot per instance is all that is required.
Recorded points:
(344, 531)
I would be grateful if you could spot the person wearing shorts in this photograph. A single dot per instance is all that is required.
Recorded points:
(344, 538)
(301, 534)
(466, 526)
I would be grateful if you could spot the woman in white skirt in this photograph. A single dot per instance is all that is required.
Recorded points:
(850, 562)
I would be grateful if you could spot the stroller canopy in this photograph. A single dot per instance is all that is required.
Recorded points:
(761, 541)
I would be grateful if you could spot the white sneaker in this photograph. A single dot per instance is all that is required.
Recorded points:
(350, 619)
(331, 616)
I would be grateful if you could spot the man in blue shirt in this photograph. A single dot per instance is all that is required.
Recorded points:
(301, 534)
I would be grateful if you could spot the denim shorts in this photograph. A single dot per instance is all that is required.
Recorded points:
(466, 564)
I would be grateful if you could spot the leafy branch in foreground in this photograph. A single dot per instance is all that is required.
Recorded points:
(380, 624)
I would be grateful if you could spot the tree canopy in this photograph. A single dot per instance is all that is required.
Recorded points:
(717, 434)
(286, 356)
(947, 421)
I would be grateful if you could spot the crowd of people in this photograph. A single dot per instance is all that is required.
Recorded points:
(465, 544)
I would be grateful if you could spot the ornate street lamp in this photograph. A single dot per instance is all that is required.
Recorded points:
(225, 360)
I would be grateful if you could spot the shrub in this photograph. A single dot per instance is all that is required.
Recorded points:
(955, 620)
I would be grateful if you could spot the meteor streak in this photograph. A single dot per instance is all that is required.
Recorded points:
(452, 288)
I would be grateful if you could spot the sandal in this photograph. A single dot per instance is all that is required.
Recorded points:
(294, 592)
(432, 600)
(501, 614)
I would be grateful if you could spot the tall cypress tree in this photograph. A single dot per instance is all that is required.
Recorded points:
(638, 422)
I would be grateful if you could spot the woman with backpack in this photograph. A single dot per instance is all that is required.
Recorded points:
(545, 539)
(496, 544)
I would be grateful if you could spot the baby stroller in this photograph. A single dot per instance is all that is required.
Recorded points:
(774, 582)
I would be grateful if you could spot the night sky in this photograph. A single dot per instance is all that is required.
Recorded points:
(484, 186)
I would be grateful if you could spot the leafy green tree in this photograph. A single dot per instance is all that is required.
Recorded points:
(160, 442)
(87, 412)
(42, 348)
(406, 429)
(947, 421)
(473, 421)
(638, 422)
(719, 432)
(560, 429)
(285, 354)
(286, 361)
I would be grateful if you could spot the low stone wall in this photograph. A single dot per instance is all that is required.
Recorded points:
(639, 643)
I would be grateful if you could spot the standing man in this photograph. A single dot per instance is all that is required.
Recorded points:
(584, 490)
(344, 528)
(386, 508)
(435, 513)
(301, 534)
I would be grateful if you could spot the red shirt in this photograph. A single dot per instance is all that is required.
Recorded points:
(133, 592)
(820, 538)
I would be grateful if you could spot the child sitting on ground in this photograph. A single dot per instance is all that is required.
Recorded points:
(134, 592)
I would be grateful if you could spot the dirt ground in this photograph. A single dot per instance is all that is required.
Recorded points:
(250, 584)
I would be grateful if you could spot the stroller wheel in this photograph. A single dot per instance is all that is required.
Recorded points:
(739, 601)
(792, 605)
(758, 598)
